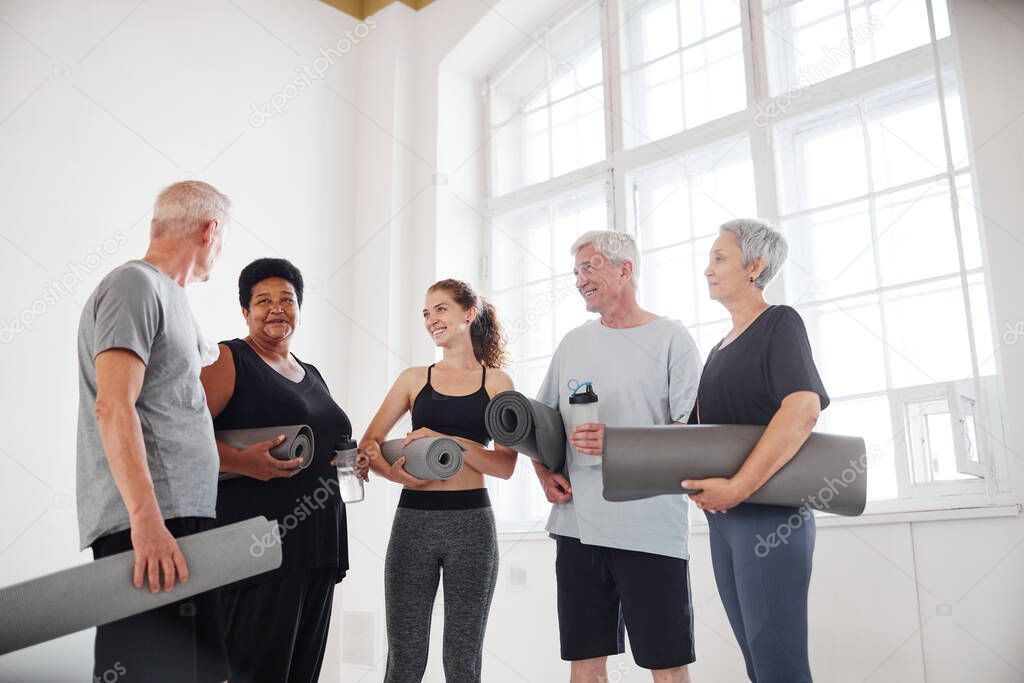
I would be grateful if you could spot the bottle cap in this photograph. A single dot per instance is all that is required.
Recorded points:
(583, 394)
(345, 443)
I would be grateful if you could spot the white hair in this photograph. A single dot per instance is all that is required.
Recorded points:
(617, 247)
(759, 239)
(184, 208)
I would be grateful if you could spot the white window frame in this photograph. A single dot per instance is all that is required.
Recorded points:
(991, 486)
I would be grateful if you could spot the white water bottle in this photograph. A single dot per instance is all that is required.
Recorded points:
(346, 453)
(582, 410)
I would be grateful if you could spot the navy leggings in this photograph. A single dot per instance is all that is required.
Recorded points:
(762, 560)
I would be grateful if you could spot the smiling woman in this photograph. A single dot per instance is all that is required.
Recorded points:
(277, 623)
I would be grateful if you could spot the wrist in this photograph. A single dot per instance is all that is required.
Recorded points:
(741, 486)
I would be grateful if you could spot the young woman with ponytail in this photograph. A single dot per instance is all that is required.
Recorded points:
(444, 525)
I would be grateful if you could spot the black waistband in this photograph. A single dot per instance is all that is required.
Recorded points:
(466, 499)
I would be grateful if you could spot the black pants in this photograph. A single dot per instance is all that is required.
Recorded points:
(179, 643)
(277, 630)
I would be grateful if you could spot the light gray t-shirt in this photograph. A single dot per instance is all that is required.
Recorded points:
(138, 308)
(644, 375)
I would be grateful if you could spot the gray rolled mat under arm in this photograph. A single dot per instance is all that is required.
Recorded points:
(101, 591)
(427, 458)
(527, 426)
(298, 442)
(828, 473)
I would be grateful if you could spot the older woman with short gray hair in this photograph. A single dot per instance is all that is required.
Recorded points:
(761, 373)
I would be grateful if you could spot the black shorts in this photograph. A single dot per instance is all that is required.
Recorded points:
(601, 589)
(180, 643)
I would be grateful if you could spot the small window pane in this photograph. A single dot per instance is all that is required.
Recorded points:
(578, 131)
(830, 253)
(692, 195)
(670, 87)
(710, 84)
(916, 237)
(845, 330)
(927, 334)
(822, 159)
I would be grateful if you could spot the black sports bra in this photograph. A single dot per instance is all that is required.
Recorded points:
(452, 415)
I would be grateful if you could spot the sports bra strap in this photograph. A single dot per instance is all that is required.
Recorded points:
(483, 381)
(428, 373)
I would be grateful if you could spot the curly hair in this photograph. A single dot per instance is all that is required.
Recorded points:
(485, 331)
(263, 268)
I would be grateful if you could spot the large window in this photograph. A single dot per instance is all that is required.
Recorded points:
(840, 120)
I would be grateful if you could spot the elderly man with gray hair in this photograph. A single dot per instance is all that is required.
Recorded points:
(761, 373)
(147, 459)
(619, 564)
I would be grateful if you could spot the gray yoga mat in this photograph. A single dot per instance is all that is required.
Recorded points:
(528, 426)
(828, 472)
(428, 458)
(100, 592)
(298, 442)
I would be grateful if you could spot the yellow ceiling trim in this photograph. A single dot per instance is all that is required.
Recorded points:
(360, 9)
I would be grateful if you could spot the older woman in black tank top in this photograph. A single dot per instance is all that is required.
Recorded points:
(444, 528)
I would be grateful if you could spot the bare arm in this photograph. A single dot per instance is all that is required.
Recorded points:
(255, 461)
(786, 433)
(119, 377)
(391, 410)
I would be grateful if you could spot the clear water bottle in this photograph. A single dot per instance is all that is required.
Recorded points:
(346, 452)
(582, 410)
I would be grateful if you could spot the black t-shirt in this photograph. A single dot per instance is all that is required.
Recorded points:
(308, 505)
(745, 382)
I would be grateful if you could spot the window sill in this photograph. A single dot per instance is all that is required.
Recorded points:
(699, 526)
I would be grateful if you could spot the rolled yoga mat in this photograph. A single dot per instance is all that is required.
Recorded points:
(428, 458)
(528, 426)
(101, 591)
(298, 442)
(828, 473)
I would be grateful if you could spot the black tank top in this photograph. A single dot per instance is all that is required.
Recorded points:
(308, 505)
(452, 415)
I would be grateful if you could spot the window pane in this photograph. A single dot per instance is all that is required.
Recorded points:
(905, 133)
(916, 237)
(521, 248)
(578, 131)
(927, 334)
(710, 82)
(547, 112)
(651, 29)
(830, 253)
(702, 19)
(692, 195)
(669, 87)
(821, 159)
(813, 40)
(843, 331)
(572, 47)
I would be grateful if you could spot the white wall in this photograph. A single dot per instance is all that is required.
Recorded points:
(102, 105)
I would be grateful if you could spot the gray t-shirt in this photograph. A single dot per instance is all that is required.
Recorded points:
(644, 375)
(138, 308)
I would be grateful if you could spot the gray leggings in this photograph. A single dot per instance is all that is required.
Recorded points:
(425, 543)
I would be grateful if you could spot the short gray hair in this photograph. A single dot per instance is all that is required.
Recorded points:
(617, 247)
(759, 238)
(184, 208)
